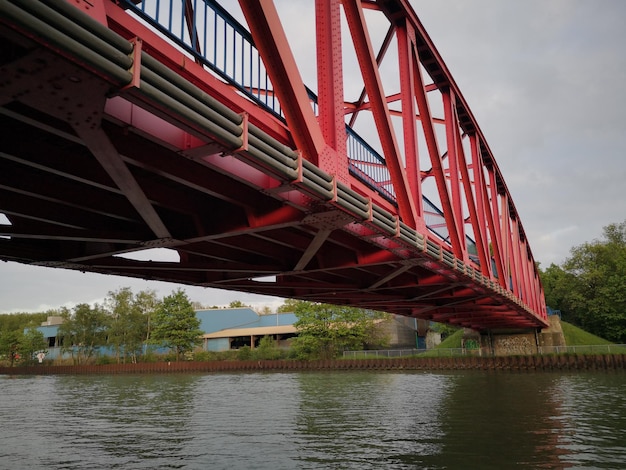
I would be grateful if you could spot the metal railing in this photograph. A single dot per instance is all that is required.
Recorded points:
(587, 349)
(205, 30)
(213, 37)
(388, 353)
(457, 352)
(368, 165)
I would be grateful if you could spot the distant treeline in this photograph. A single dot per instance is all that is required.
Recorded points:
(19, 321)
(589, 287)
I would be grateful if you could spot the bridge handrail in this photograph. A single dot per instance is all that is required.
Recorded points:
(246, 72)
(449, 352)
(584, 349)
(244, 69)
(435, 352)
(250, 77)
(70, 31)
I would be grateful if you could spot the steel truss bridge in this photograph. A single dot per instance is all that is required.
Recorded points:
(129, 126)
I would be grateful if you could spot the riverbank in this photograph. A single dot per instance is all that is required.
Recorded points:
(506, 363)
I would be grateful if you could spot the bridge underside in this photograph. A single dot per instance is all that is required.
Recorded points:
(92, 172)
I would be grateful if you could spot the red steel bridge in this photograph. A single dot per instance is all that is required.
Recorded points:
(129, 126)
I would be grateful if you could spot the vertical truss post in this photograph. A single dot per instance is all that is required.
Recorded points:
(533, 289)
(454, 150)
(505, 225)
(469, 195)
(527, 291)
(533, 292)
(330, 88)
(494, 225)
(406, 58)
(516, 273)
(538, 300)
(480, 229)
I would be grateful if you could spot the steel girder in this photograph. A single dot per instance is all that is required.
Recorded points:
(115, 151)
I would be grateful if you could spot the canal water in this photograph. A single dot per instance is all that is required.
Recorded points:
(310, 420)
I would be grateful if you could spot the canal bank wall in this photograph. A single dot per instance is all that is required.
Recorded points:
(506, 363)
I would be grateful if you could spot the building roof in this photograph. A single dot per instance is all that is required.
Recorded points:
(254, 331)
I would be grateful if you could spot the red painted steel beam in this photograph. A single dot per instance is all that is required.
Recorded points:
(401, 10)
(454, 177)
(495, 221)
(480, 227)
(406, 58)
(330, 88)
(191, 28)
(373, 85)
(435, 159)
(354, 263)
(360, 104)
(271, 41)
(481, 245)
(152, 43)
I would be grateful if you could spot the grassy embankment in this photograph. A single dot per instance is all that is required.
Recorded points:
(586, 343)
(574, 336)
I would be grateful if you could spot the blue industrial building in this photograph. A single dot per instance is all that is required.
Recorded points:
(224, 329)
(233, 328)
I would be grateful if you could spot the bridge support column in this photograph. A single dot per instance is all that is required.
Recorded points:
(517, 343)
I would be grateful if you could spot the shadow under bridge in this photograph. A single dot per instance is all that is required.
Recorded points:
(127, 129)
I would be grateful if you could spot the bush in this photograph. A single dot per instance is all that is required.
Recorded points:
(63, 361)
(102, 360)
(230, 355)
(267, 350)
(244, 353)
(149, 356)
(206, 356)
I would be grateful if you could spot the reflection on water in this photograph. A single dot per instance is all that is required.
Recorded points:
(312, 420)
(590, 412)
(364, 420)
(496, 420)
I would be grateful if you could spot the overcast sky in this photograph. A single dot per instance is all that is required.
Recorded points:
(546, 81)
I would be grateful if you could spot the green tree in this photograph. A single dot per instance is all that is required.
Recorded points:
(265, 310)
(445, 329)
(129, 321)
(267, 349)
(557, 285)
(175, 324)
(597, 284)
(288, 306)
(10, 345)
(83, 331)
(20, 321)
(237, 304)
(325, 331)
(32, 343)
(590, 286)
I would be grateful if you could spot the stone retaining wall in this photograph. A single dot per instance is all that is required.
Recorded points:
(512, 363)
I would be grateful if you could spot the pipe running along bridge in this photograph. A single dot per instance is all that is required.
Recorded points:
(129, 126)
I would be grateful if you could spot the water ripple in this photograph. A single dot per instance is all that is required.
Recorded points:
(310, 420)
